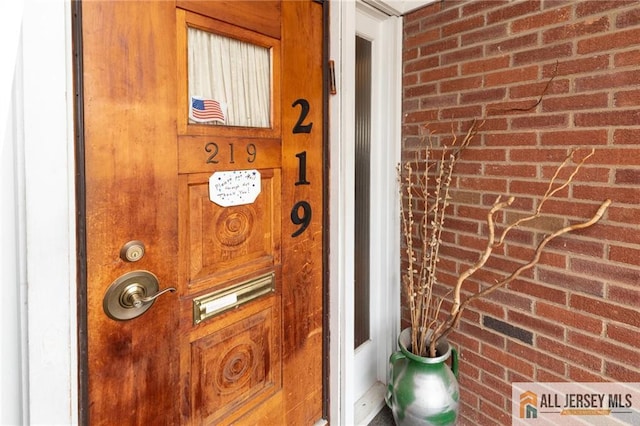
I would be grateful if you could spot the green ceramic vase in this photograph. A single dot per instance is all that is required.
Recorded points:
(422, 390)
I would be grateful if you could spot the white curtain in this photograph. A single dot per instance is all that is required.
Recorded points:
(231, 72)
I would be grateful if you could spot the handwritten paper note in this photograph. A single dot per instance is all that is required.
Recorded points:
(234, 188)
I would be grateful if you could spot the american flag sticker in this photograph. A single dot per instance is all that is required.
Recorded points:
(204, 110)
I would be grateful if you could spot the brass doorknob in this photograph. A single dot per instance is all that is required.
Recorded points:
(131, 295)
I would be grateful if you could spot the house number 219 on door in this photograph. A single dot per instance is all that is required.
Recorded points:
(301, 211)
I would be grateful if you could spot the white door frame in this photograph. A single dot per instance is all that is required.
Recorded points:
(43, 336)
(385, 218)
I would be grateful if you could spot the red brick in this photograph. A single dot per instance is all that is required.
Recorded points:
(626, 295)
(570, 244)
(623, 334)
(577, 102)
(483, 34)
(483, 95)
(439, 46)
(608, 81)
(627, 58)
(477, 6)
(543, 292)
(628, 255)
(513, 11)
(626, 136)
(421, 13)
(410, 28)
(586, 174)
(485, 393)
(421, 64)
(623, 215)
(617, 156)
(608, 118)
(577, 66)
(617, 40)
(607, 310)
(498, 415)
(467, 397)
(483, 363)
(460, 84)
(421, 90)
(619, 194)
(486, 336)
(462, 25)
(494, 124)
(433, 16)
(527, 187)
(409, 54)
(627, 177)
(421, 116)
(626, 99)
(470, 111)
(481, 6)
(609, 271)
(510, 170)
(576, 29)
(496, 383)
(429, 102)
(621, 373)
(511, 139)
(603, 347)
(513, 75)
(591, 7)
(540, 121)
(511, 44)
(537, 357)
(535, 90)
(541, 20)
(536, 324)
(529, 106)
(570, 353)
(607, 232)
(421, 38)
(578, 374)
(495, 185)
(575, 283)
(569, 317)
(461, 55)
(545, 53)
(537, 155)
(464, 341)
(511, 298)
(439, 74)
(545, 376)
(574, 137)
(485, 65)
(628, 18)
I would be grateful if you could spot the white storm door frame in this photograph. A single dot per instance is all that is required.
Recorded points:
(385, 250)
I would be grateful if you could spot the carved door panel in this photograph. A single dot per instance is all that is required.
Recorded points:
(202, 129)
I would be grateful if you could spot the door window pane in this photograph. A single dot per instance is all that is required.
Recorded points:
(362, 192)
(229, 81)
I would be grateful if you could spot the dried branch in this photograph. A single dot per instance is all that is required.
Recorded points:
(420, 276)
(455, 316)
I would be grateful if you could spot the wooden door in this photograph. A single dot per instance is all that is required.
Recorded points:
(230, 215)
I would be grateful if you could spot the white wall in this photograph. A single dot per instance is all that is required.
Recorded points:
(12, 265)
(37, 261)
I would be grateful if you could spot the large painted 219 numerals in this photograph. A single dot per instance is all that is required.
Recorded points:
(301, 211)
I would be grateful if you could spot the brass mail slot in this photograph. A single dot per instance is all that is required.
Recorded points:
(212, 304)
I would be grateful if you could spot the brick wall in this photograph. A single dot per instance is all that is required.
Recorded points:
(576, 316)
